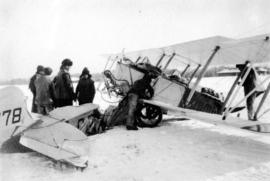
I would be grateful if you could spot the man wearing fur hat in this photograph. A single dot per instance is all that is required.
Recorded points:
(44, 95)
(32, 87)
(64, 92)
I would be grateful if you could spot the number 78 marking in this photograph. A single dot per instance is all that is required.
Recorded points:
(16, 115)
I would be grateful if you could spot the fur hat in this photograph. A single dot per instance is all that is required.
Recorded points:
(67, 62)
(40, 68)
(48, 71)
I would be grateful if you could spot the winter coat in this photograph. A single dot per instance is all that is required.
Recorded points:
(63, 86)
(43, 94)
(141, 86)
(33, 90)
(85, 90)
(32, 84)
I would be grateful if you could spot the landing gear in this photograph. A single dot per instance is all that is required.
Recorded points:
(148, 115)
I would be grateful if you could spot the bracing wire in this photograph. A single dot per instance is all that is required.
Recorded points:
(184, 57)
(266, 111)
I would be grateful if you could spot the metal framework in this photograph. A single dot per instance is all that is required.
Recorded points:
(241, 74)
(201, 74)
(262, 101)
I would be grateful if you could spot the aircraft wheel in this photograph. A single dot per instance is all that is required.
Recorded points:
(148, 115)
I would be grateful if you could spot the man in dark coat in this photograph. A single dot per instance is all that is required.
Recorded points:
(64, 92)
(249, 85)
(141, 89)
(85, 90)
(124, 113)
(32, 87)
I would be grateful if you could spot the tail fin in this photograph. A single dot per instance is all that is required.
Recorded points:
(13, 110)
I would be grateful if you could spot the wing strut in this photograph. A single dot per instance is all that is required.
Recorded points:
(161, 58)
(202, 74)
(138, 59)
(226, 112)
(241, 74)
(183, 73)
(169, 61)
(248, 95)
(262, 102)
(194, 73)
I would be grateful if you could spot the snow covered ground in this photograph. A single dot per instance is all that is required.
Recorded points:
(176, 150)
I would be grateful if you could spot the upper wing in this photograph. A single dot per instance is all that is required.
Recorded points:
(197, 51)
(232, 51)
(255, 49)
(192, 52)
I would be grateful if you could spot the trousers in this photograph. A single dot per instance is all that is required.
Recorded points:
(132, 104)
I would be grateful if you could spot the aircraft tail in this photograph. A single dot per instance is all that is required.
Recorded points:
(13, 117)
(13, 110)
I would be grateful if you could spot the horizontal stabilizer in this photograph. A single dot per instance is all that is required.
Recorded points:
(72, 112)
(61, 142)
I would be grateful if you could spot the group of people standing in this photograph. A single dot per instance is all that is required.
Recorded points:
(58, 92)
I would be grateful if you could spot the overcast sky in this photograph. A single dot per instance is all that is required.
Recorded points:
(34, 32)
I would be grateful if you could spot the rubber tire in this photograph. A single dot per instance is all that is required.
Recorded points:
(143, 120)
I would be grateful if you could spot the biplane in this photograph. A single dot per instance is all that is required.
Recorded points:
(180, 69)
(56, 135)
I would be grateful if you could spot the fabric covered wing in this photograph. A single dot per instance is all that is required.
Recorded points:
(60, 141)
(202, 116)
(255, 49)
(231, 52)
(72, 112)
